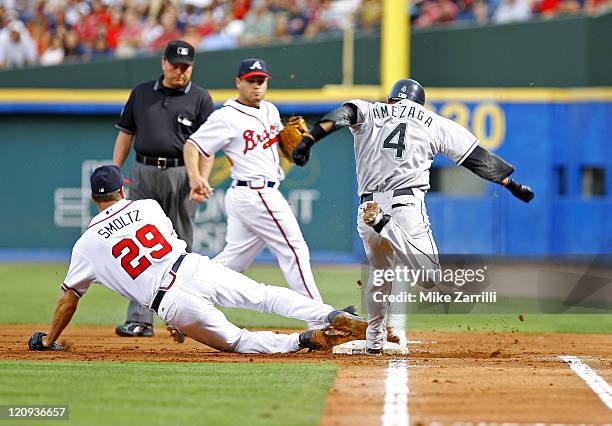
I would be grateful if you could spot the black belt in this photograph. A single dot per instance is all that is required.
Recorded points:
(270, 184)
(160, 162)
(396, 193)
(161, 293)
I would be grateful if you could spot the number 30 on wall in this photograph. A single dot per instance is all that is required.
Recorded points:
(487, 121)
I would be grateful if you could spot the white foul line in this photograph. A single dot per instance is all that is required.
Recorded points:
(590, 376)
(396, 394)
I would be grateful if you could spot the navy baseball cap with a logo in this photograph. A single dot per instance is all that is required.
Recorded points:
(106, 179)
(179, 52)
(253, 67)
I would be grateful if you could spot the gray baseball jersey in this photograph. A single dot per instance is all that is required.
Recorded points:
(395, 144)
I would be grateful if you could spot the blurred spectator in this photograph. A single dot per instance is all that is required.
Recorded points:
(369, 14)
(336, 15)
(551, 8)
(226, 36)
(114, 27)
(191, 35)
(17, 48)
(281, 28)
(170, 31)
(481, 12)
(259, 25)
(129, 38)
(512, 11)
(54, 54)
(190, 16)
(597, 7)
(208, 25)
(100, 48)
(437, 12)
(298, 21)
(151, 31)
(73, 49)
(241, 8)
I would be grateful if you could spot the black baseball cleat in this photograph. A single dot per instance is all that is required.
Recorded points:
(373, 352)
(351, 310)
(345, 321)
(134, 329)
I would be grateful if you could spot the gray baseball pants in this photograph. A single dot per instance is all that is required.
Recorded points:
(170, 188)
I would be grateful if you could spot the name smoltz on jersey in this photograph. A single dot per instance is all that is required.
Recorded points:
(395, 144)
(135, 235)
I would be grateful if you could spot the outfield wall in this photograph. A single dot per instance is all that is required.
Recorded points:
(555, 138)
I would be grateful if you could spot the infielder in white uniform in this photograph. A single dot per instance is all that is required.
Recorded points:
(247, 129)
(395, 143)
(131, 248)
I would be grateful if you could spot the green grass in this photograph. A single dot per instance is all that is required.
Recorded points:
(109, 393)
(29, 292)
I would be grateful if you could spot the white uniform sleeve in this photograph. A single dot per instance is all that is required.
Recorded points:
(454, 141)
(80, 274)
(362, 113)
(164, 217)
(213, 135)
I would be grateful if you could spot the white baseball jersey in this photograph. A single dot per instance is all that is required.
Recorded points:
(128, 248)
(395, 144)
(247, 135)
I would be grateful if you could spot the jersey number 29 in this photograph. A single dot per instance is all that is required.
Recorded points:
(150, 237)
(399, 147)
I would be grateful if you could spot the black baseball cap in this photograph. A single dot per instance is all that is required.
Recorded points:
(179, 52)
(252, 67)
(106, 179)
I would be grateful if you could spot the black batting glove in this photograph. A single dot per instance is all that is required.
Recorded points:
(520, 191)
(36, 344)
(301, 153)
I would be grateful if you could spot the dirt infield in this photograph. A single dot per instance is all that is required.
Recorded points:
(451, 377)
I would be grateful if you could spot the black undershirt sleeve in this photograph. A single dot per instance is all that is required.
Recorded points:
(487, 165)
(341, 117)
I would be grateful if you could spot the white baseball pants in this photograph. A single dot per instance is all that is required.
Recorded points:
(405, 240)
(262, 216)
(189, 305)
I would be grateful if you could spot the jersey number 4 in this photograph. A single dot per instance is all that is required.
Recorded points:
(400, 146)
(150, 237)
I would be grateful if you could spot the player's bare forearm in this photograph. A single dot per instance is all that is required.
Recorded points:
(206, 166)
(197, 164)
(191, 156)
(123, 144)
(64, 310)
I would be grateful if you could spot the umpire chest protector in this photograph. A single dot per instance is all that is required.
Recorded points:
(162, 119)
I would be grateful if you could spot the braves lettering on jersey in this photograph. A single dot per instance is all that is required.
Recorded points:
(127, 248)
(248, 136)
(395, 144)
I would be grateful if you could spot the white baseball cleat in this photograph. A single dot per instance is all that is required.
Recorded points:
(372, 214)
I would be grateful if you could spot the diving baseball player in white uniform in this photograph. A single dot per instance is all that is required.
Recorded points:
(131, 248)
(247, 129)
(395, 143)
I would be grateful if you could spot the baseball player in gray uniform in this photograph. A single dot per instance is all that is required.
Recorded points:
(395, 143)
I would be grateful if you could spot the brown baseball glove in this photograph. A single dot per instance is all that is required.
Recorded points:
(292, 134)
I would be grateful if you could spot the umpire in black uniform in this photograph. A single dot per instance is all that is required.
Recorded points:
(160, 115)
